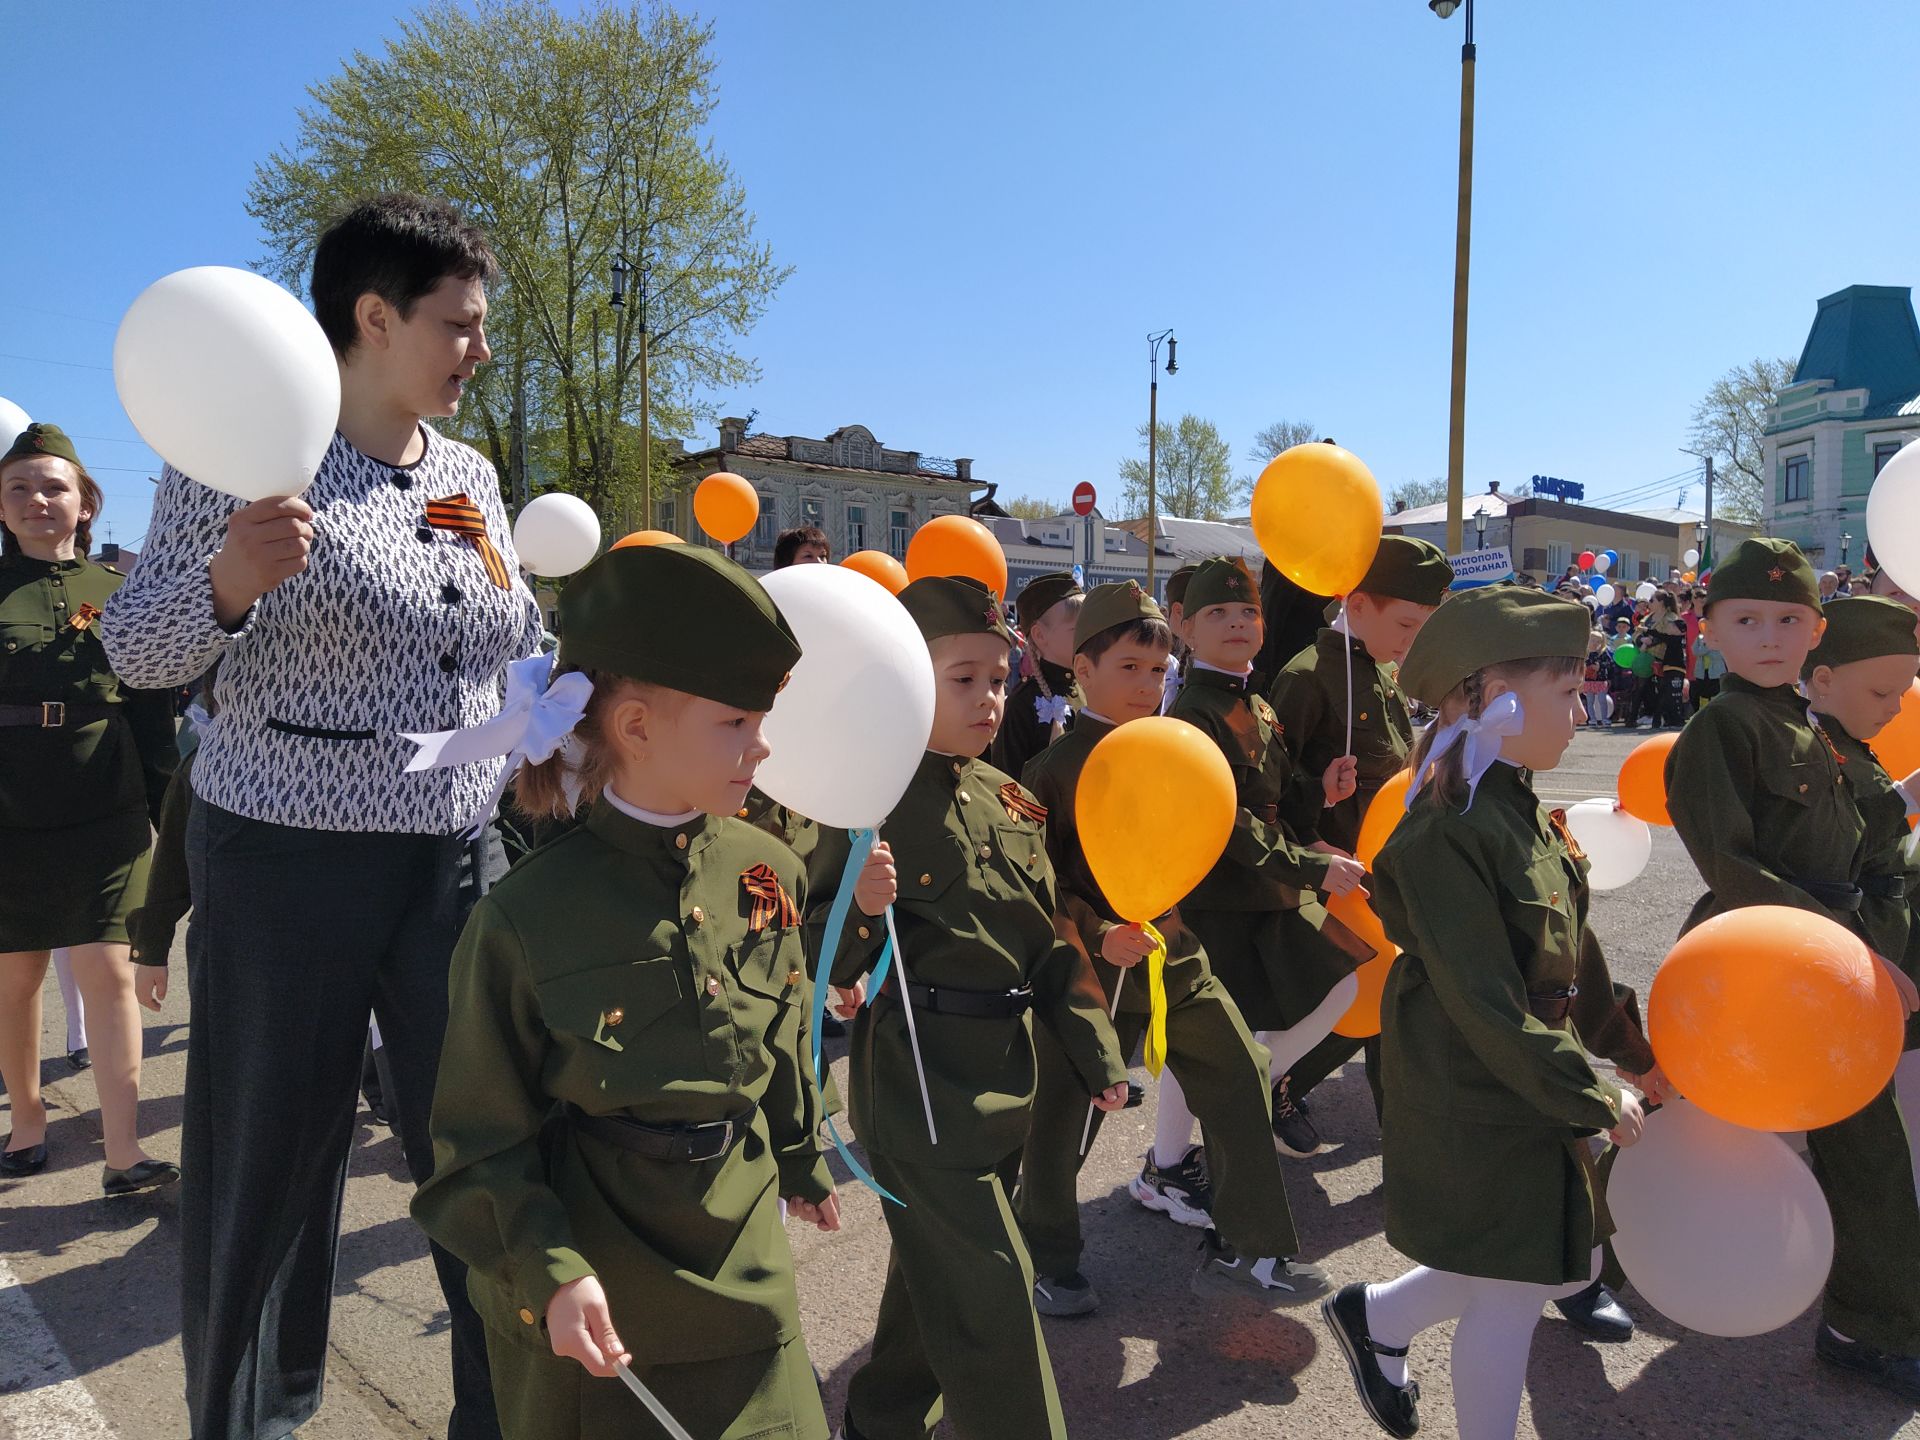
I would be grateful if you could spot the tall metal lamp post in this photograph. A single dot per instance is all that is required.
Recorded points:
(621, 270)
(1480, 527)
(1457, 413)
(1153, 437)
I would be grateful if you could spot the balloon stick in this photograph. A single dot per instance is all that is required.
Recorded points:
(1113, 1010)
(647, 1398)
(913, 1034)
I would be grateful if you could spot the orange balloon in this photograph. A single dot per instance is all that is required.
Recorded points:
(1362, 1019)
(1385, 811)
(1643, 781)
(958, 545)
(726, 506)
(647, 537)
(880, 566)
(1898, 745)
(1155, 804)
(1317, 515)
(1689, 577)
(1775, 1018)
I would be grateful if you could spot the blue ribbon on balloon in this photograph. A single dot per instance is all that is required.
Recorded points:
(863, 841)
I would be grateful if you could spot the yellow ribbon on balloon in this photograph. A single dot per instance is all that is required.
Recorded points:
(1156, 1047)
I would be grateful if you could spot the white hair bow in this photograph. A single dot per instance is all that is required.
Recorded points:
(537, 716)
(1482, 734)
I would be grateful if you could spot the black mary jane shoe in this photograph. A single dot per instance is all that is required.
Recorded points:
(18, 1164)
(1597, 1313)
(80, 1059)
(1898, 1374)
(147, 1175)
(1394, 1408)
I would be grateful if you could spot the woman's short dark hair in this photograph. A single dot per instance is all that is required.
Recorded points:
(792, 541)
(1144, 630)
(399, 247)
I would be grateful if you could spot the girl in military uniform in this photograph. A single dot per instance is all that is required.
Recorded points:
(85, 764)
(957, 1329)
(1490, 1095)
(625, 1092)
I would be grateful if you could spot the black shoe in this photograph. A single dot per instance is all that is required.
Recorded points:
(1394, 1408)
(1181, 1192)
(833, 1027)
(1277, 1280)
(1899, 1374)
(1063, 1295)
(80, 1059)
(1597, 1313)
(18, 1164)
(147, 1175)
(377, 1107)
(1293, 1133)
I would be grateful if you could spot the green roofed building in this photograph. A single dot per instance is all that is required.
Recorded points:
(1854, 401)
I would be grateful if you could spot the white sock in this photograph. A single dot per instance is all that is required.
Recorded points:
(1286, 1048)
(1172, 1122)
(70, 997)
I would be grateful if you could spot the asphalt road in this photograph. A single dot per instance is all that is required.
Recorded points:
(89, 1323)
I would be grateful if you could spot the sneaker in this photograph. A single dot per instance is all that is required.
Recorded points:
(1062, 1295)
(1899, 1374)
(1181, 1192)
(1293, 1133)
(1394, 1408)
(1278, 1280)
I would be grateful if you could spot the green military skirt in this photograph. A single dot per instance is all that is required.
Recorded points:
(75, 884)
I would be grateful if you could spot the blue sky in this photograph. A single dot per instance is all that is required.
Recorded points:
(990, 205)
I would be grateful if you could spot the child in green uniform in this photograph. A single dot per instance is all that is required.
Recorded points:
(1762, 801)
(1335, 698)
(1214, 1067)
(1490, 1095)
(1040, 705)
(626, 1093)
(1286, 962)
(979, 957)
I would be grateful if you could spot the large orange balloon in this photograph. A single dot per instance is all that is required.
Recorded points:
(1898, 746)
(958, 545)
(646, 537)
(1643, 780)
(1155, 805)
(1775, 1018)
(1362, 1019)
(1386, 810)
(880, 566)
(726, 506)
(1317, 515)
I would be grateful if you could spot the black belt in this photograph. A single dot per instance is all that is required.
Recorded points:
(690, 1144)
(1550, 1007)
(53, 714)
(969, 1004)
(1267, 813)
(1845, 898)
(1885, 887)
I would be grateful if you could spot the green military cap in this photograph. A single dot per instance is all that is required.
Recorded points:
(1042, 593)
(1762, 569)
(1223, 580)
(1491, 626)
(1408, 569)
(38, 439)
(1865, 627)
(1177, 584)
(1108, 606)
(954, 605)
(682, 616)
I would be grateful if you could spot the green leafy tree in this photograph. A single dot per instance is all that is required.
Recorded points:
(1030, 507)
(1193, 472)
(1729, 424)
(1415, 493)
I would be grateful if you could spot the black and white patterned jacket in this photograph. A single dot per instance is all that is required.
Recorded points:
(392, 627)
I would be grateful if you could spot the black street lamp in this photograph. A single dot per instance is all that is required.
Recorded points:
(1846, 541)
(1153, 435)
(1480, 515)
(621, 270)
(1457, 411)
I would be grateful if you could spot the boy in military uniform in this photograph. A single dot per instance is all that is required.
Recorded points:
(626, 1092)
(1336, 698)
(1038, 708)
(1214, 1068)
(1287, 963)
(979, 958)
(1491, 1098)
(1760, 795)
(1177, 658)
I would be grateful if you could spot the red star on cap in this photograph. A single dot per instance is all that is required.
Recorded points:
(1776, 574)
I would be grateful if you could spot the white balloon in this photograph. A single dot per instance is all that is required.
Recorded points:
(1618, 845)
(1602, 563)
(1606, 595)
(1720, 1228)
(851, 726)
(230, 379)
(12, 421)
(1893, 517)
(556, 533)
(1646, 590)
(1691, 558)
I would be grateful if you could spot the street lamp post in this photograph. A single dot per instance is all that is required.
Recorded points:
(1153, 437)
(1846, 542)
(621, 270)
(1457, 413)
(1480, 527)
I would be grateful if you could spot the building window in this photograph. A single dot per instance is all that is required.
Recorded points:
(899, 526)
(1659, 568)
(664, 514)
(1630, 567)
(856, 527)
(814, 513)
(1559, 559)
(1795, 487)
(766, 530)
(1884, 451)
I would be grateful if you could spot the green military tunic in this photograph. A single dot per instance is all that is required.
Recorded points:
(957, 1330)
(637, 971)
(1031, 706)
(79, 795)
(1269, 938)
(1310, 705)
(1490, 1105)
(1220, 1066)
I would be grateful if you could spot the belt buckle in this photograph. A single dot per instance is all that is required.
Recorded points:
(53, 714)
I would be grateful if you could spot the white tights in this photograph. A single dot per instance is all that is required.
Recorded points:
(1288, 1047)
(1490, 1344)
(1172, 1121)
(70, 996)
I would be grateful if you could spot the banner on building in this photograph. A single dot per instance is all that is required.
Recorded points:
(1481, 567)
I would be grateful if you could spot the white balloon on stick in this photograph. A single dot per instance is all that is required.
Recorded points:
(1618, 845)
(1691, 558)
(1893, 517)
(13, 420)
(230, 379)
(556, 534)
(1606, 595)
(1646, 590)
(1602, 564)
